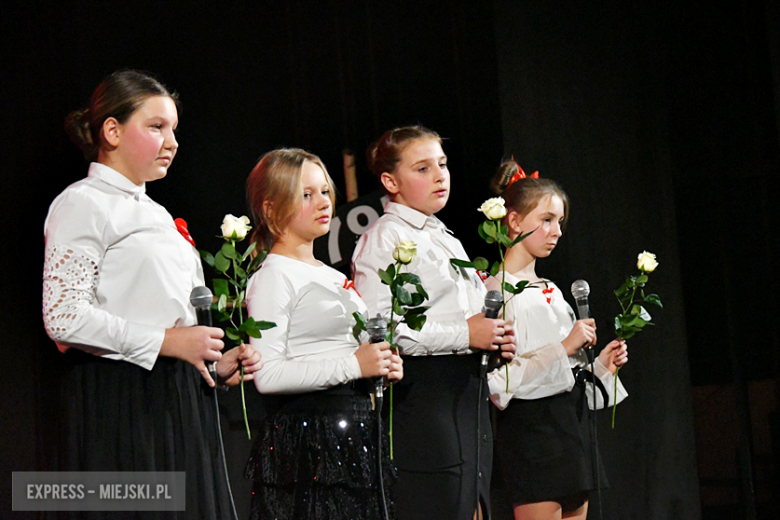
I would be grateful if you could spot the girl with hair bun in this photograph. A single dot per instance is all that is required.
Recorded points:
(117, 277)
(444, 464)
(316, 456)
(544, 452)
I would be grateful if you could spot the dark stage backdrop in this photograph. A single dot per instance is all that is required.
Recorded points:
(574, 89)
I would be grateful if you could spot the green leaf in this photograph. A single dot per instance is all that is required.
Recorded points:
(481, 264)
(385, 277)
(398, 309)
(461, 263)
(360, 320)
(207, 257)
(417, 299)
(416, 310)
(519, 238)
(240, 273)
(265, 325)
(489, 228)
(504, 240)
(248, 251)
(482, 234)
(412, 279)
(222, 303)
(229, 251)
(416, 321)
(495, 268)
(641, 279)
(653, 299)
(221, 263)
(221, 287)
(404, 298)
(233, 334)
(421, 291)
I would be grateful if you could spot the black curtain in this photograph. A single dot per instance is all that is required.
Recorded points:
(587, 93)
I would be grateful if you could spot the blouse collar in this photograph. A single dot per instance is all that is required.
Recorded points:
(412, 216)
(113, 178)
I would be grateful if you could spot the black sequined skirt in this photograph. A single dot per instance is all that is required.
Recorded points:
(316, 458)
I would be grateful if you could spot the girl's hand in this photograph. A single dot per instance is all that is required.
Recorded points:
(614, 355)
(508, 349)
(489, 334)
(195, 345)
(374, 359)
(228, 368)
(583, 333)
(396, 369)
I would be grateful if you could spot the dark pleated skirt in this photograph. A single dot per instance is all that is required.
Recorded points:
(116, 416)
(316, 459)
(544, 450)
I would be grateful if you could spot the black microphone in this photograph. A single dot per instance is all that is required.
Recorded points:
(581, 290)
(376, 328)
(493, 302)
(201, 298)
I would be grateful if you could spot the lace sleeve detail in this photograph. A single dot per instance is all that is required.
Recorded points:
(69, 284)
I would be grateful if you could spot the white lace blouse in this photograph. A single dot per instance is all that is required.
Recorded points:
(117, 272)
(542, 319)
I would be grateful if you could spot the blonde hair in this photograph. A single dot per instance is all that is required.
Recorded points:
(276, 180)
(385, 153)
(524, 194)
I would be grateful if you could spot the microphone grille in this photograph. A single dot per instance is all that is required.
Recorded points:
(494, 300)
(201, 297)
(580, 289)
(376, 327)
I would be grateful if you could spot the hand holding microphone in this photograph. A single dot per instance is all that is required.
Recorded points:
(195, 345)
(583, 334)
(376, 328)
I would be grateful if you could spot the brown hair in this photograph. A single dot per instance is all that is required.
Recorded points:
(524, 194)
(277, 179)
(118, 96)
(385, 153)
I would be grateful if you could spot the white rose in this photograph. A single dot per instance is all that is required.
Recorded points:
(646, 262)
(493, 208)
(239, 226)
(405, 252)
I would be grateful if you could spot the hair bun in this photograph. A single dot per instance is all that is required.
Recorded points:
(78, 128)
(503, 176)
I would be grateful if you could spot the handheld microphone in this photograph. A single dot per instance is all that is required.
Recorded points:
(201, 298)
(493, 302)
(581, 290)
(376, 328)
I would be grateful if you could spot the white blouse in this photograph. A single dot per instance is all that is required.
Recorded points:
(313, 344)
(541, 367)
(455, 293)
(117, 272)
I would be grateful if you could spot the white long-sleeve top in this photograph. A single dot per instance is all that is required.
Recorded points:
(313, 344)
(541, 367)
(117, 272)
(455, 293)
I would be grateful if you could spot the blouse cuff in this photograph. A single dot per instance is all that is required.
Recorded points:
(353, 368)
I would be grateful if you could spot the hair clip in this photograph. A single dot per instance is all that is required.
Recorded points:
(521, 175)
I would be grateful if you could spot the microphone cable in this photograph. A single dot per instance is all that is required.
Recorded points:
(221, 443)
(200, 299)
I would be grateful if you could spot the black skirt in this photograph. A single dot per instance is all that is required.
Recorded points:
(443, 461)
(316, 458)
(544, 450)
(117, 416)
